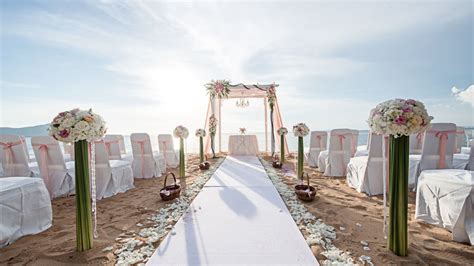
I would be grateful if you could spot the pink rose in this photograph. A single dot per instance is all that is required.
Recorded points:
(400, 120)
(64, 133)
(407, 109)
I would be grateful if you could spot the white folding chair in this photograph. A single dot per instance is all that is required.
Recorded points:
(144, 164)
(416, 143)
(317, 143)
(365, 173)
(334, 160)
(165, 143)
(437, 151)
(13, 156)
(112, 177)
(58, 175)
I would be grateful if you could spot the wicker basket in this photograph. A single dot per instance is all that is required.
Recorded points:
(277, 164)
(172, 191)
(305, 192)
(204, 165)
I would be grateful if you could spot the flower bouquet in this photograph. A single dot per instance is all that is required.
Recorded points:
(282, 131)
(80, 127)
(218, 88)
(242, 130)
(399, 118)
(181, 133)
(203, 165)
(300, 130)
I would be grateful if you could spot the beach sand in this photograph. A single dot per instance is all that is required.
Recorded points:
(339, 205)
(336, 204)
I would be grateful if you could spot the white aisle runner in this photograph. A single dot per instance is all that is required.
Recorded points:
(237, 219)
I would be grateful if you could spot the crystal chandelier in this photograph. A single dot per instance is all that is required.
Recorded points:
(242, 103)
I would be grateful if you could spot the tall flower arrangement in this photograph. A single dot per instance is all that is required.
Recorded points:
(80, 127)
(282, 131)
(201, 133)
(218, 88)
(399, 118)
(300, 130)
(271, 98)
(182, 133)
(212, 132)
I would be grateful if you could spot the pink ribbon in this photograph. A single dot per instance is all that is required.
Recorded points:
(142, 154)
(443, 138)
(107, 145)
(43, 149)
(320, 140)
(419, 138)
(164, 150)
(341, 147)
(7, 147)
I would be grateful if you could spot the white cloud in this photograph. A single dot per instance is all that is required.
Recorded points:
(466, 96)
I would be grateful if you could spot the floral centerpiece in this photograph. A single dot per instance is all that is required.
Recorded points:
(399, 118)
(218, 88)
(271, 95)
(242, 130)
(300, 130)
(181, 132)
(212, 132)
(201, 133)
(271, 98)
(80, 127)
(282, 131)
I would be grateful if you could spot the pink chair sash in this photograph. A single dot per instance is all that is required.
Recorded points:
(419, 140)
(43, 149)
(164, 151)
(341, 148)
(7, 147)
(443, 138)
(353, 144)
(456, 148)
(142, 154)
(107, 145)
(320, 140)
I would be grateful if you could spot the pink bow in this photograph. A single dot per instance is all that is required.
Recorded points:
(443, 138)
(43, 149)
(7, 147)
(142, 154)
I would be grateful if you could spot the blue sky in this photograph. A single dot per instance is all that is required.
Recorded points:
(142, 65)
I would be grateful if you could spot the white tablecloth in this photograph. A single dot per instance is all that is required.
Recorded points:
(445, 198)
(25, 208)
(465, 150)
(243, 145)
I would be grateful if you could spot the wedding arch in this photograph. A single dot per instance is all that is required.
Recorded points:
(220, 90)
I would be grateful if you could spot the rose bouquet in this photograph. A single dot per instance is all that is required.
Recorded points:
(300, 130)
(181, 132)
(75, 125)
(218, 88)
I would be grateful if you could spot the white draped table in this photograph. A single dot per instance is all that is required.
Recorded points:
(243, 145)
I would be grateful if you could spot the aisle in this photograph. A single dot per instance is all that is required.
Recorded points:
(238, 218)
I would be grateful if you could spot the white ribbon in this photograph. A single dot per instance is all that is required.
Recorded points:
(384, 171)
(93, 188)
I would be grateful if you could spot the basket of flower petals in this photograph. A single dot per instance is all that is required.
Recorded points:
(204, 165)
(276, 163)
(172, 191)
(305, 192)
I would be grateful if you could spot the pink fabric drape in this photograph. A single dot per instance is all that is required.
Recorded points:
(443, 139)
(43, 149)
(8, 153)
(278, 123)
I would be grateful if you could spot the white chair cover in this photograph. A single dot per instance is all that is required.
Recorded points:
(363, 150)
(112, 177)
(57, 175)
(69, 151)
(437, 151)
(445, 198)
(354, 141)
(25, 147)
(25, 208)
(165, 143)
(365, 173)
(317, 143)
(13, 156)
(112, 145)
(333, 162)
(144, 164)
(459, 137)
(416, 143)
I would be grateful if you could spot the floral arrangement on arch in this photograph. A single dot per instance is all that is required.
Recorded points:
(242, 130)
(212, 125)
(282, 131)
(181, 132)
(76, 125)
(300, 130)
(271, 95)
(399, 117)
(218, 88)
(200, 133)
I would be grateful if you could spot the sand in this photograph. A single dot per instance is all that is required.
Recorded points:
(339, 205)
(336, 204)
